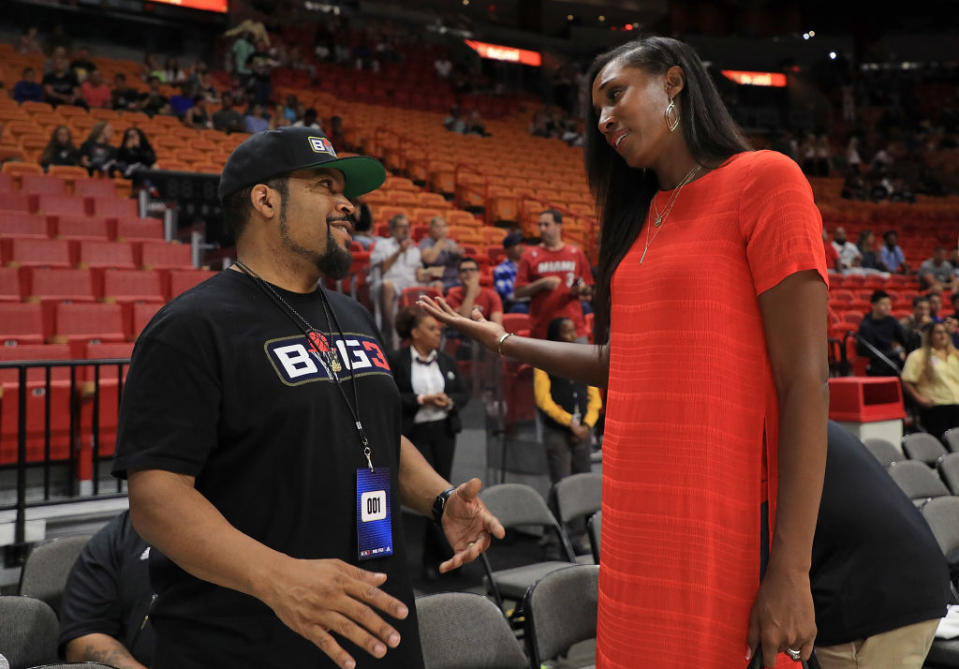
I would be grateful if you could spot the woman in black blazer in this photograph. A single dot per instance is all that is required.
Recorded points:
(431, 393)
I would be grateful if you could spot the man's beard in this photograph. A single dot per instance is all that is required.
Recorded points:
(335, 263)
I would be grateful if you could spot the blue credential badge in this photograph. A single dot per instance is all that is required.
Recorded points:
(374, 527)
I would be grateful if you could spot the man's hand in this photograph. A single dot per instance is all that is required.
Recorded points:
(316, 598)
(471, 285)
(549, 282)
(580, 432)
(405, 244)
(468, 525)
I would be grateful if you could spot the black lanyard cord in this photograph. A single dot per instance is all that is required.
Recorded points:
(304, 325)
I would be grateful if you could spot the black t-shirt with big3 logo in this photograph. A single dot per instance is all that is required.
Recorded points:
(222, 387)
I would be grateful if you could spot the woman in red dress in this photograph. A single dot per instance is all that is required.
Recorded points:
(711, 329)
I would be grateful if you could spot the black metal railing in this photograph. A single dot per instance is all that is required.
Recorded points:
(81, 461)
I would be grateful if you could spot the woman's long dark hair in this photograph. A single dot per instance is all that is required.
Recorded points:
(623, 194)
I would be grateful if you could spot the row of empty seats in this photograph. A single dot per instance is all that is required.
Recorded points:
(924, 468)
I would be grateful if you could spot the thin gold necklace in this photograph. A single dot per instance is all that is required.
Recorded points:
(661, 217)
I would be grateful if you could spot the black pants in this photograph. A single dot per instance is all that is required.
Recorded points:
(940, 418)
(437, 445)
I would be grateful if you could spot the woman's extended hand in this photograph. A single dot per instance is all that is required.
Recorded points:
(485, 332)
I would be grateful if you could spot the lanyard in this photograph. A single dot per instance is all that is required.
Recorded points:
(329, 358)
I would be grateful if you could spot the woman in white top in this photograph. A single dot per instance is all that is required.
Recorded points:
(931, 378)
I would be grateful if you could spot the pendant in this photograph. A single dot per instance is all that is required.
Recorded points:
(659, 221)
(643, 257)
(335, 364)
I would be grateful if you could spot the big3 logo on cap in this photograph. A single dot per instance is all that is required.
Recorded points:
(321, 145)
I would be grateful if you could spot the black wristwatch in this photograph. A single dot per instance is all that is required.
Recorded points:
(439, 504)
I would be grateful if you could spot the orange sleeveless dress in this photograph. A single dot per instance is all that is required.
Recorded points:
(690, 453)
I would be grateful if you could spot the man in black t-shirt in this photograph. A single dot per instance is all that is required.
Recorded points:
(60, 85)
(260, 431)
(885, 334)
(879, 580)
(104, 616)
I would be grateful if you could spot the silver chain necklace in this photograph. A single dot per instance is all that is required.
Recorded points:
(661, 216)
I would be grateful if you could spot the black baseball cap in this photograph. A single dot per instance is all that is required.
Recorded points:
(512, 239)
(272, 153)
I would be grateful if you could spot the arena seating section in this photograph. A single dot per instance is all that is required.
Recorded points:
(80, 271)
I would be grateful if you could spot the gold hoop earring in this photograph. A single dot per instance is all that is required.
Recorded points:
(671, 123)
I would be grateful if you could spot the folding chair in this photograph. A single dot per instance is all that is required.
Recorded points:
(560, 611)
(595, 526)
(577, 497)
(948, 467)
(517, 505)
(918, 481)
(885, 452)
(923, 447)
(462, 630)
(45, 572)
(28, 635)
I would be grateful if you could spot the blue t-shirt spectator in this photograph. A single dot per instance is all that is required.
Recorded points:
(28, 90)
(892, 258)
(256, 124)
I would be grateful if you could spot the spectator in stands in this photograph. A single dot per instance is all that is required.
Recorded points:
(96, 154)
(884, 333)
(289, 109)
(28, 88)
(81, 64)
(867, 248)
(879, 579)
(28, 44)
(504, 274)
(242, 50)
(154, 102)
(556, 276)
(59, 52)
(60, 150)
(60, 86)
(183, 100)
(471, 295)
(474, 124)
(309, 120)
(173, 74)
(823, 156)
(849, 254)
(261, 66)
(95, 91)
(204, 87)
(913, 324)
(227, 118)
(135, 153)
(432, 393)
(123, 97)
(152, 68)
(936, 272)
(277, 119)
(395, 264)
(454, 121)
(58, 39)
(935, 304)
(853, 160)
(891, 254)
(256, 120)
(336, 136)
(104, 615)
(931, 378)
(441, 255)
(363, 225)
(197, 116)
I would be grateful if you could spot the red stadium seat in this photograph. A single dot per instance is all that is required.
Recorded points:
(155, 255)
(141, 315)
(55, 285)
(516, 323)
(9, 284)
(139, 229)
(6, 183)
(60, 205)
(36, 405)
(20, 323)
(132, 285)
(14, 201)
(100, 254)
(94, 188)
(113, 207)
(105, 422)
(88, 323)
(26, 252)
(181, 280)
(22, 224)
(41, 184)
(80, 227)
(413, 293)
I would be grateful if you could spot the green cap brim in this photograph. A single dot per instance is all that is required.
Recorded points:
(361, 174)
